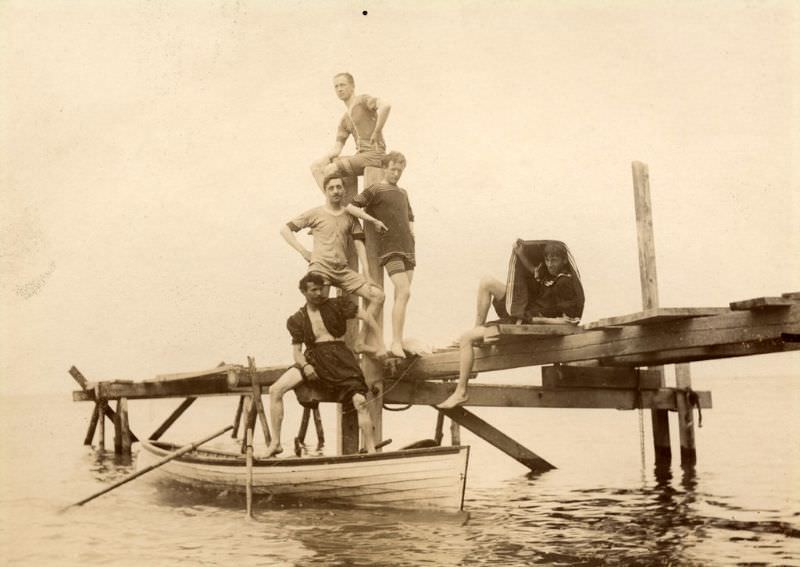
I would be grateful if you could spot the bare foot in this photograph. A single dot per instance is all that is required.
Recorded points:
(274, 450)
(380, 353)
(455, 400)
(397, 350)
(363, 348)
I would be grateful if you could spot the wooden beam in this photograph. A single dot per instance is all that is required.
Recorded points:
(237, 417)
(172, 418)
(655, 315)
(562, 376)
(561, 329)
(670, 342)
(431, 393)
(737, 333)
(497, 438)
(763, 303)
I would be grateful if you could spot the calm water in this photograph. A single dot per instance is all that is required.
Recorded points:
(740, 505)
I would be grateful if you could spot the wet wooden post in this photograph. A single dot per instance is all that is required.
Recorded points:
(118, 429)
(101, 430)
(373, 369)
(96, 413)
(649, 283)
(683, 382)
(125, 433)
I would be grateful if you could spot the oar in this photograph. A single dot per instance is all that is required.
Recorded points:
(182, 451)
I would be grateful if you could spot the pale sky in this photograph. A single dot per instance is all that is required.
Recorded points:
(152, 150)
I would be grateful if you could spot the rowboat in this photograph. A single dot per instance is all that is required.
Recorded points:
(431, 478)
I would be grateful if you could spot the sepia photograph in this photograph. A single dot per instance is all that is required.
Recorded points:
(453, 283)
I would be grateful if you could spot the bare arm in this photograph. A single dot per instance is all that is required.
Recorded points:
(360, 213)
(335, 150)
(361, 254)
(300, 360)
(554, 320)
(370, 322)
(292, 241)
(382, 115)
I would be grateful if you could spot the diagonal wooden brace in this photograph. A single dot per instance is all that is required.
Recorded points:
(495, 437)
(107, 411)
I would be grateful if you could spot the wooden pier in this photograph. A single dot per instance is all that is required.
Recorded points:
(613, 363)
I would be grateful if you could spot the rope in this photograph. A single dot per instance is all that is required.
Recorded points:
(399, 379)
(641, 420)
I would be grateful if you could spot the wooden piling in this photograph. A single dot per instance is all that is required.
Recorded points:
(649, 284)
(683, 382)
(96, 413)
(101, 430)
(118, 429)
(125, 433)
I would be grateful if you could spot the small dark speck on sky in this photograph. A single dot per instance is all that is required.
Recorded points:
(364, 12)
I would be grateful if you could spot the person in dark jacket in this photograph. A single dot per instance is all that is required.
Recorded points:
(551, 294)
(327, 362)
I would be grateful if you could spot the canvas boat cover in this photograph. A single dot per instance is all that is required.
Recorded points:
(525, 256)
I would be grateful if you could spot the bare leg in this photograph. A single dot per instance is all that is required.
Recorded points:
(402, 293)
(488, 288)
(321, 168)
(375, 296)
(364, 422)
(286, 382)
(466, 358)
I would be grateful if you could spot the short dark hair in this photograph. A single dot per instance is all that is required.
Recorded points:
(347, 76)
(311, 277)
(555, 249)
(396, 157)
(330, 177)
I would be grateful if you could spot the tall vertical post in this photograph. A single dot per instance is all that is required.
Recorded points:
(101, 410)
(683, 381)
(373, 369)
(347, 421)
(649, 283)
(125, 428)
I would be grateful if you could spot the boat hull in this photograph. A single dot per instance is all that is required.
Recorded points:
(430, 478)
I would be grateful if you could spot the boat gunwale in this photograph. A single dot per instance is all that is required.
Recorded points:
(230, 459)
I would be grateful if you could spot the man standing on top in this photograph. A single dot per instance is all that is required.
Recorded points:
(364, 120)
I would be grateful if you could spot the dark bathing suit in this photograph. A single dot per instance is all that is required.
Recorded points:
(335, 364)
